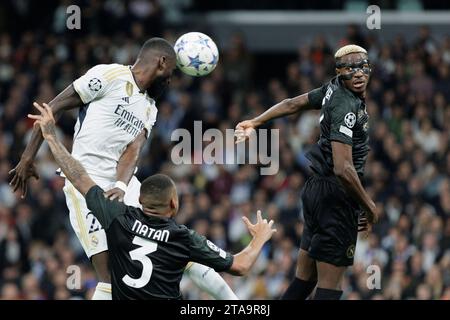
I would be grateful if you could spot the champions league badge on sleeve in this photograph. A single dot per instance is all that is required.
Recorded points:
(95, 84)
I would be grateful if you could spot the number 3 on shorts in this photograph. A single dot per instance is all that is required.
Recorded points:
(140, 254)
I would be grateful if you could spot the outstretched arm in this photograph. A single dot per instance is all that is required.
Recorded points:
(261, 231)
(72, 169)
(284, 108)
(205, 252)
(66, 100)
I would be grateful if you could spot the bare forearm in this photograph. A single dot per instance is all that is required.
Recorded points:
(284, 108)
(350, 180)
(33, 145)
(72, 168)
(126, 166)
(67, 99)
(129, 159)
(245, 259)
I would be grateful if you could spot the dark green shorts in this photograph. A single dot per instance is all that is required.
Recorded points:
(331, 221)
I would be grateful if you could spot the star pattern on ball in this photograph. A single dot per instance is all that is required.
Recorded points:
(204, 42)
(215, 59)
(195, 61)
(180, 45)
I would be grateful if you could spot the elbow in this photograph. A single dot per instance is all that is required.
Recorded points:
(291, 106)
(341, 170)
(241, 272)
(338, 171)
(239, 268)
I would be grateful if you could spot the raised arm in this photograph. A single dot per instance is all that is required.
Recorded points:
(72, 169)
(66, 100)
(205, 252)
(126, 166)
(261, 231)
(306, 101)
(284, 108)
(346, 173)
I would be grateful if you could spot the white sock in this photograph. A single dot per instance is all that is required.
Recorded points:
(102, 291)
(209, 281)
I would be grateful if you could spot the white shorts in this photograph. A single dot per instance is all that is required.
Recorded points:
(87, 228)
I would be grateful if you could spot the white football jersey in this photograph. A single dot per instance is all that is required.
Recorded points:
(115, 112)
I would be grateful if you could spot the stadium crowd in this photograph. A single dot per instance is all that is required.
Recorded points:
(407, 172)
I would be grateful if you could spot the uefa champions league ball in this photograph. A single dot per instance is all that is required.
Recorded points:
(197, 54)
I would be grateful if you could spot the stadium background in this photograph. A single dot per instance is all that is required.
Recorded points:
(407, 171)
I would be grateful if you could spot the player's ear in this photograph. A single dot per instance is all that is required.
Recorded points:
(172, 204)
(338, 72)
(162, 65)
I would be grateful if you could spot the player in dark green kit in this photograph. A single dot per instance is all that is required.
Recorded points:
(335, 204)
(148, 249)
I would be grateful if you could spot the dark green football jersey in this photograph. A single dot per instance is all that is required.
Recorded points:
(148, 254)
(343, 118)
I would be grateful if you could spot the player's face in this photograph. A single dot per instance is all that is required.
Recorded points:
(354, 70)
(163, 76)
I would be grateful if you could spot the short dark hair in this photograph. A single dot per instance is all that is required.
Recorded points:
(156, 191)
(158, 44)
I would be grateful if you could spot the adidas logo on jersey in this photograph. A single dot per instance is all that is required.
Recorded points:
(126, 99)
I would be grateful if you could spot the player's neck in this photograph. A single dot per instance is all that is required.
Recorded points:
(156, 214)
(362, 95)
(137, 74)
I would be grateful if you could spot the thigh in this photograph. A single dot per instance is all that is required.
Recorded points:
(308, 198)
(306, 266)
(336, 226)
(87, 228)
(329, 275)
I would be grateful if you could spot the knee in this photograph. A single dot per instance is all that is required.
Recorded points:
(306, 268)
(305, 274)
(330, 281)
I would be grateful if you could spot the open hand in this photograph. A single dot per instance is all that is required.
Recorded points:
(21, 173)
(262, 228)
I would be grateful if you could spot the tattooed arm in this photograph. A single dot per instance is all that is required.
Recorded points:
(72, 169)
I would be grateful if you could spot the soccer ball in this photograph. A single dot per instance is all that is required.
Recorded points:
(197, 54)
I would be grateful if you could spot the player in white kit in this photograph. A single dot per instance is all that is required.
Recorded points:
(117, 113)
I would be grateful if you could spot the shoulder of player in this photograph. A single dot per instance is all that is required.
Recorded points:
(113, 71)
(151, 105)
(116, 71)
(180, 227)
(340, 96)
(184, 230)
